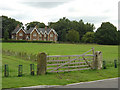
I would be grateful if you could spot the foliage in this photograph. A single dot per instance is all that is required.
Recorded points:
(106, 34)
(9, 24)
(73, 36)
(63, 25)
(34, 23)
(88, 37)
(24, 41)
(6, 34)
(118, 37)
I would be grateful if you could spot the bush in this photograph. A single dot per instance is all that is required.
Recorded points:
(24, 41)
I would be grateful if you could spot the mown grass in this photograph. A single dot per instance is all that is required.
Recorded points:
(109, 54)
(50, 78)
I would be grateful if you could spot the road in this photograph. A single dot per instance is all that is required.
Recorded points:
(106, 83)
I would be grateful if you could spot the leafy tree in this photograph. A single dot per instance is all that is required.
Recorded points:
(6, 34)
(118, 37)
(88, 37)
(64, 25)
(8, 25)
(106, 34)
(73, 36)
(34, 23)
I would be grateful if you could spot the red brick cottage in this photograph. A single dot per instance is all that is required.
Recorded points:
(42, 34)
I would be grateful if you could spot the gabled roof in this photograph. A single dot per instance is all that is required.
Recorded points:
(16, 30)
(43, 30)
(29, 31)
(39, 30)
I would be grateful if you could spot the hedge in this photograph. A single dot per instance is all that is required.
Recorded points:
(25, 41)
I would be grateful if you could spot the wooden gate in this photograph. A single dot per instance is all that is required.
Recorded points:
(66, 63)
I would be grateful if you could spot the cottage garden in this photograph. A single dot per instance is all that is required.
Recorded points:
(21, 69)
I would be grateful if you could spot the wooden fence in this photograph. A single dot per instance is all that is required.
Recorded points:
(66, 63)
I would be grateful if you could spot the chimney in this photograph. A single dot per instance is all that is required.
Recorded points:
(36, 26)
(18, 26)
(45, 27)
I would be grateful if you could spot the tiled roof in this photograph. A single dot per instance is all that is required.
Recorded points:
(16, 29)
(31, 29)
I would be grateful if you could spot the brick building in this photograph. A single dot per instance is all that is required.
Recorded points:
(42, 34)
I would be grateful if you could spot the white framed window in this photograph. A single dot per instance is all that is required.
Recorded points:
(12, 36)
(34, 34)
(45, 35)
(44, 39)
(40, 35)
(27, 37)
(40, 39)
(34, 39)
(51, 39)
(56, 38)
(20, 34)
(51, 35)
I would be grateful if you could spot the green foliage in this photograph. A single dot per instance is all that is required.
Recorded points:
(106, 34)
(24, 41)
(63, 25)
(73, 36)
(6, 34)
(88, 37)
(9, 24)
(34, 23)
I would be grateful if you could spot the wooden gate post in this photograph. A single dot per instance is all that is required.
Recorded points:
(97, 64)
(41, 63)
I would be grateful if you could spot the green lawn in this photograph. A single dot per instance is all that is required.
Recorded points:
(110, 53)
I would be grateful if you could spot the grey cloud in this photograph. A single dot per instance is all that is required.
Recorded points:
(44, 4)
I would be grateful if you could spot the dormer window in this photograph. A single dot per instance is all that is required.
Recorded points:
(20, 34)
(34, 34)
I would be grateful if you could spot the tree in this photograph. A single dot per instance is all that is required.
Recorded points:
(63, 25)
(6, 34)
(106, 34)
(88, 37)
(73, 36)
(8, 25)
(34, 23)
(118, 37)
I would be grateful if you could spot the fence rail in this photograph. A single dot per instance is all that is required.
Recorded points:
(70, 62)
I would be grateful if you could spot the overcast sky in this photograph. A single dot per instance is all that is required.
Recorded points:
(92, 11)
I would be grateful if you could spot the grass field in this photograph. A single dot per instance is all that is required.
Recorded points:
(109, 54)
(51, 78)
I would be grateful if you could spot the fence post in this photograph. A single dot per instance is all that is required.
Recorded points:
(97, 63)
(6, 72)
(32, 69)
(115, 63)
(19, 70)
(42, 65)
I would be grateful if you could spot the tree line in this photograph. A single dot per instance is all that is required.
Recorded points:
(69, 31)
